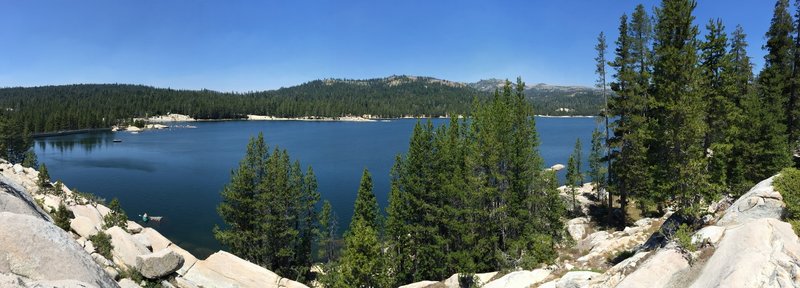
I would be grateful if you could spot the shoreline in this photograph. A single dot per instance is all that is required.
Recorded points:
(164, 119)
(69, 132)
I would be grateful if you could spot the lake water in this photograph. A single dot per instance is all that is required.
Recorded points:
(178, 173)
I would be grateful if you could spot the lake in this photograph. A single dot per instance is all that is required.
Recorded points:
(178, 172)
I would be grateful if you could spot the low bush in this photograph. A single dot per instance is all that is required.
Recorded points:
(62, 216)
(116, 217)
(788, 184)
(684, 238)
(102, 243)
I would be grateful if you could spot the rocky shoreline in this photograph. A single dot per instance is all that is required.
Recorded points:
(742, 244)
(40, 254)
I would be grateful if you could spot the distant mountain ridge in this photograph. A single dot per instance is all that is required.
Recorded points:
(553, 100)
(82, 106)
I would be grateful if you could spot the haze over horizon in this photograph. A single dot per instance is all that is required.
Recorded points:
(247, 46)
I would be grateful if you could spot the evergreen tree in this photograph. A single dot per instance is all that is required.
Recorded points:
(62, 216)
(327, 227)
(770, 150)
(44, 177)
(723, 114)
(630, 169)
(239, 198)
(597, 171)
(30, 160)
(281, 233)
(397, 227)
(366, 205)
(680, 109)
(360, 264)
(600, 70)
(116, 217)
(15, 140)
(577, 152)
(572, 178)
(741, 79)
(309, 231)
(793, 103)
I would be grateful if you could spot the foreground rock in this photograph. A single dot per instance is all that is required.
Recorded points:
(158, 264)
(519, 279)
(762, 201)
(14, 199)
(223, 269)
(481, 278)
(83, 226)
(578, 227)
(420, 284)
(572, 279)
(658, 271)
(37, 250)
(759, 253)
(126, 249)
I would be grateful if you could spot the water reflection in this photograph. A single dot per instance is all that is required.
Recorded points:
(87, 141)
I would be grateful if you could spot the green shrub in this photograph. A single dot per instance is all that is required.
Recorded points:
(44, 177)
(102, 243)
(62, 216)
(58, 189)
(788, 184)
(684, 238)
(30, 160)
(116, 217)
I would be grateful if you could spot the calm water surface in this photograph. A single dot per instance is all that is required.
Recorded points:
(178, 173)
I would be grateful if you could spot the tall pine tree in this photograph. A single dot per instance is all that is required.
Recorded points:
(269, 211)
(741, 79)
(679, 107)
(770, 150)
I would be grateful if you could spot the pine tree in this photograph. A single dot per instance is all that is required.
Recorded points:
(571, 181)
(793, 103)
(43, 180)
(360, 264)
(741, 79)
(723, 114)
(30, 160)
(238, 198)
(397, 228)
(281, 233)
(680, 109)
(116, 217)
(601, 63)
(366, 205)
(574, 176)
(309, 231)
(62, 216)
(327, 228)
(578, 153)
(597, 171)
(770, 151)
(625, 106)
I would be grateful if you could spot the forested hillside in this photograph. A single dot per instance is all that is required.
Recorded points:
(54, 108)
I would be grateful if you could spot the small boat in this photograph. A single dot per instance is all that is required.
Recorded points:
(147, 218)
(117, 140)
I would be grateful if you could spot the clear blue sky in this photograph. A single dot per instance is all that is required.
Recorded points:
(257, 45)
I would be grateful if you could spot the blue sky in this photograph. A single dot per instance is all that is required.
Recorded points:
(257, 45)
